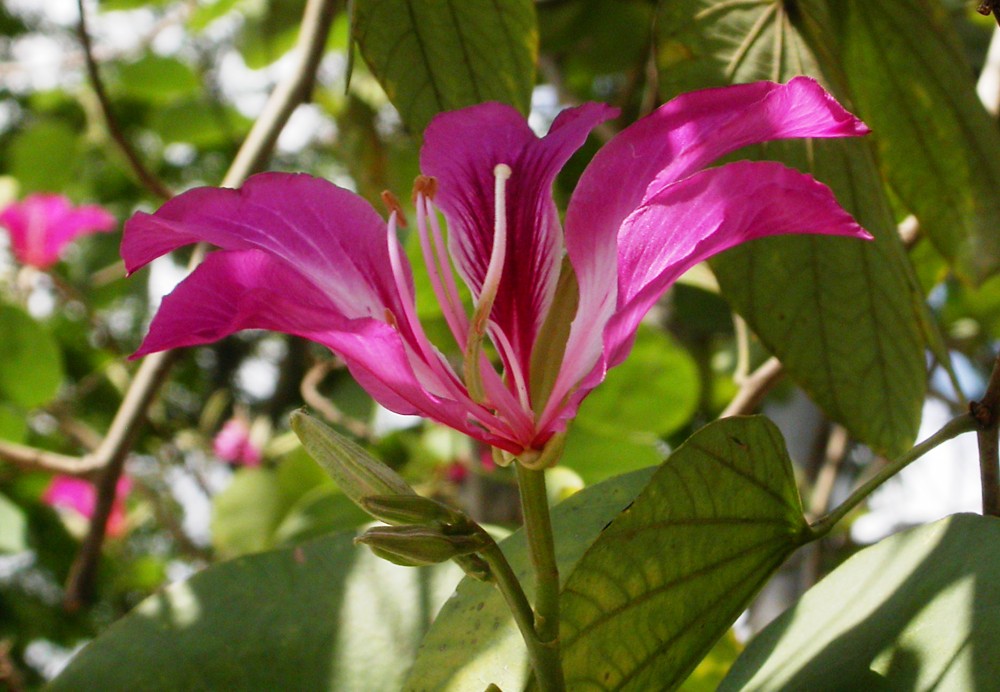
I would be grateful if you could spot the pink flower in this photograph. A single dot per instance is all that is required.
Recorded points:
(41, 225)
(560, 307)
(233, 444)
(80, 496)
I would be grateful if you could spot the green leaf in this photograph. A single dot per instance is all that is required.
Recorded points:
(653, 393)
(31, 367)
(246, 514)
(941, 149)
(917, 611)
(672, 573)
(322, 616)
(158, 79)
(436, 56)
(598, 454)
(474, 641)
(846, 318)
(44, 156)
(13, 426)
(13, 527)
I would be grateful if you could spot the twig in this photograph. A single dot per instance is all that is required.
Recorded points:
(986, 411)
(754, 388)
(110, 456)
(311, 395)
(956, 426)
(146, 177)
(34, 459)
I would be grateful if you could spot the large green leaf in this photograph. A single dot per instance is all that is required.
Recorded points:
(31, 367)
(941, 149)
(846, 318)
(441, 55)
(672, 573)
(474, 641)
(322, 616)
(918, 611)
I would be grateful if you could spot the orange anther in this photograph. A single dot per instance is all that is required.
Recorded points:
(392, 204)
(424, 185)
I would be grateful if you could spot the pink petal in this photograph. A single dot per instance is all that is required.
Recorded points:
(461, 150)
(683, 224)
(690, 132)
(233, 444)
(80, 496)
(332, 237)
(41, 225)
(679, 138)
(249, 289)
(711, 211)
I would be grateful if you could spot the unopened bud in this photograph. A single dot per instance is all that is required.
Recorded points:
(410, 509)
(417, 546)
(355, 471)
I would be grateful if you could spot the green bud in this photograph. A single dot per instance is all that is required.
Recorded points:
(416, 546)
(355, 471)
(411, 509)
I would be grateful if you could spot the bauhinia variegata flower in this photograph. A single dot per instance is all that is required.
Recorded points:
(558, 306)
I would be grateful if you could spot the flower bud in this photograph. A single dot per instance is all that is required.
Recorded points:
(416, 546)
(410, 509)
(358, 474)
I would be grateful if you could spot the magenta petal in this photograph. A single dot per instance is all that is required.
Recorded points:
(250, 289)
(42, 225)
(329, 234)
(711, 211)
(682, 136)
(461, 150)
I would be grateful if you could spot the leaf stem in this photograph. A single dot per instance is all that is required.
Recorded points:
(956, 426)
(510, 588)
(541, 548)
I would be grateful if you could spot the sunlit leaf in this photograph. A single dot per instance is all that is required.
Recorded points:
(920, 610)
(941, 149)
(436, 56)
(670, 575)
(326, 615)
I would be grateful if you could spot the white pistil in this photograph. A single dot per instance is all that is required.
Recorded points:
(491, 282)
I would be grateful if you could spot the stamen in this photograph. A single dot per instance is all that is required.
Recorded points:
(424, 185)
(392, 204)
(439, 271)
(491, 283)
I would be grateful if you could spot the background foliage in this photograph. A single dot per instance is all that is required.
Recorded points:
(854, 326)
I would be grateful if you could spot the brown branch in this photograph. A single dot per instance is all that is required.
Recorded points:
(146, 177)
(986, 411)
(33, 459)
(110, 456)
(754, 388)
(312, 396)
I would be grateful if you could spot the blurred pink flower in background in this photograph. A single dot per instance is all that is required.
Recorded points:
(41, 225)
(80, 496)
(233, 444)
